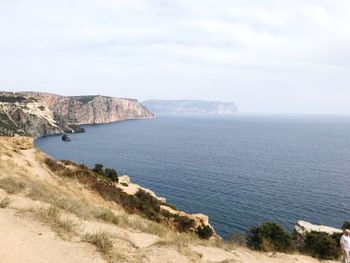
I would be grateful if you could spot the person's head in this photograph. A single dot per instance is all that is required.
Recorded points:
(347, 232)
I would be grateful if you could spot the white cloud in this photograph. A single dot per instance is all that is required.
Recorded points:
(168, 48)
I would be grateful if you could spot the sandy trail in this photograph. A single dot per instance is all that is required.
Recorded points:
(30, 242)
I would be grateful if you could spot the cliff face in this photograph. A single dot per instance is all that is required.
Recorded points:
(99, 109)
(41, 114)
(191, 107)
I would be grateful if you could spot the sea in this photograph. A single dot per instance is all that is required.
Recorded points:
(240, 170)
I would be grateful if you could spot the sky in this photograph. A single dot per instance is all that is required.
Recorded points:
(268, 56)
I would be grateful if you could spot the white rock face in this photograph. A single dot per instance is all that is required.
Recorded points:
(303, 227)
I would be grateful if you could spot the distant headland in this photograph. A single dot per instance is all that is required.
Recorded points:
(192, 107)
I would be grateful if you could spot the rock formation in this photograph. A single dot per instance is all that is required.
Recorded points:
(191, 107)
(303, 227)
(40, 114)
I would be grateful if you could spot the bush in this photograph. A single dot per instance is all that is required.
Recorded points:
(204, 231)
(184, 223)
(346, 225)
(148, 205)
(112, 174)
(12, 99)
(321, 245)
(99, 169)
(109, 173)
(270, 237)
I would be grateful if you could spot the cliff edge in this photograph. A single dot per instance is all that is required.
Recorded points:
(40, 114)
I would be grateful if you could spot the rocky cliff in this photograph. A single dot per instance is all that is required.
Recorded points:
(40, 114)
(191, 107)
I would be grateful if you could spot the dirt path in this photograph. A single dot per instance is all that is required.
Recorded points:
(30, 242)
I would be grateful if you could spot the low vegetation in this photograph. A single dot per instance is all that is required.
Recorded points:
(322, 245)
(204, 232)
(51, 216)
(5, 202)
(183, 223)
(346, 225)
(143, 203)
(12, 99)
(270, 237)
(7, 126)
(109, 173)
(84, 99)
(239, 239)
(12, 185)
(101, 240)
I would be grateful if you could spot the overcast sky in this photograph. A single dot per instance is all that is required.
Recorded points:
(269, 56)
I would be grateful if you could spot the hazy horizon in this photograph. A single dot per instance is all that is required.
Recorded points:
(266, 56)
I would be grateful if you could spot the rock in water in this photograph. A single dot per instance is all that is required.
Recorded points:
(66, 138)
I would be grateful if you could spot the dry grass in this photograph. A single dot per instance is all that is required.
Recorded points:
(5, 202)
(102, 241)
(12, 185)
(107, 215)
(51, 216)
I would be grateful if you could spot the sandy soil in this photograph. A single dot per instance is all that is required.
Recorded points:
(30, 242)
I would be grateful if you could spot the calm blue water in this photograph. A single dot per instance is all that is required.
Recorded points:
(241, 171)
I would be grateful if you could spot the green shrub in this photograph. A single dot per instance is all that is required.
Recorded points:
(42, 108)
(12, 98)
(184, 223)
(346, 225)
(321, 245)
(109, 173)
(99, 169)
(148, 205)
(204, 231)
(270, 237)
(112, 174)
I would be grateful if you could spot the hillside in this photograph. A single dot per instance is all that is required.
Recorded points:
(53, 211)
(192, 107)
(40, 114)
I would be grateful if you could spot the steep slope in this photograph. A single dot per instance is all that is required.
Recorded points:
(50, 217)
(191, 107)
(40, 114)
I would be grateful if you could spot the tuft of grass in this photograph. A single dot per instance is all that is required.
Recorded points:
(107, 216)
(12, 185)
(101, 240)
(51, 216)
(5, 202)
